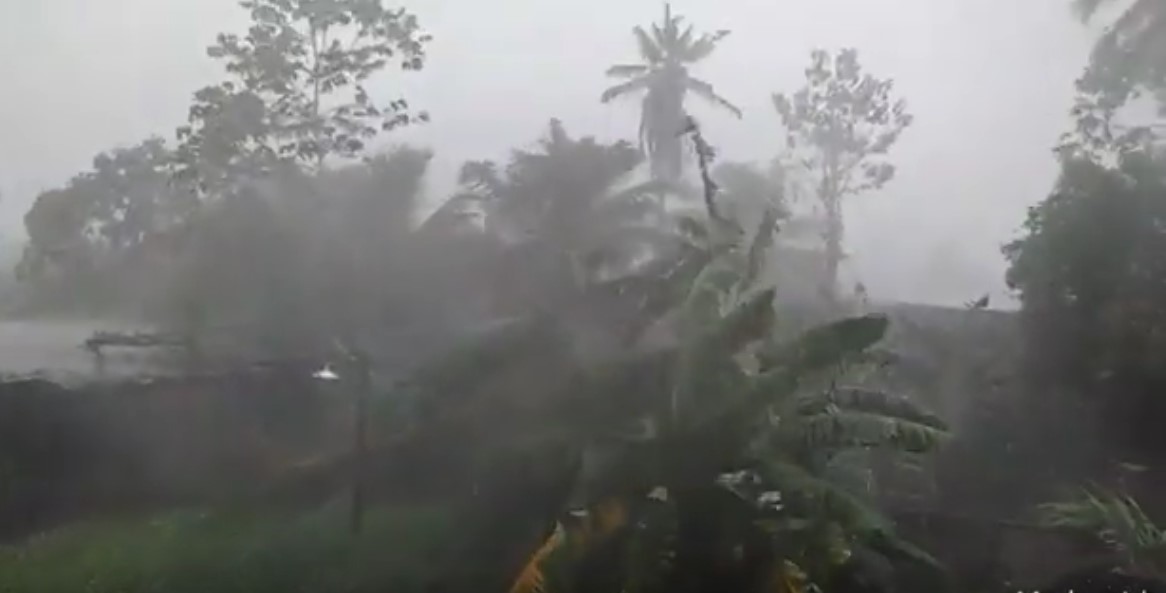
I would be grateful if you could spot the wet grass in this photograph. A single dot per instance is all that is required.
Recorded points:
(398, 550)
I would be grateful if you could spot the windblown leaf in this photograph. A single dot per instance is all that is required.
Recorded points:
(623, 88)
(845, 429)
(856, 399)
(627, 70)
(1118, 521)
(705, 91)
(650, 49)
(893, 547)
(828, 344)
(822, 497)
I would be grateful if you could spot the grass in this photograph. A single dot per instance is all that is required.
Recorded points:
(399, 550)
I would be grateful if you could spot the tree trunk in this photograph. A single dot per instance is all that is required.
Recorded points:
(831, 200)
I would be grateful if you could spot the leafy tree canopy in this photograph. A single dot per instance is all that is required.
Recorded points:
(839, 126)
(297, 90)
(1092, 282)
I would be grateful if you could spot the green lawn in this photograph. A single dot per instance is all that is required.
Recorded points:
(398, 551)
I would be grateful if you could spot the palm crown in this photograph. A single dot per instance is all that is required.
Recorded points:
(666, 53)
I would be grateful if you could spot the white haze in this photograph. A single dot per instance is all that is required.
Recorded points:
(989, 81)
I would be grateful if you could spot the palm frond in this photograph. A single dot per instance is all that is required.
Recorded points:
(628, 70)
(890, 546)
(649, 48)
(623, 88)
(684, 39)
(870, 401)
(705, 91)
(827, 345)
(703, 47)
(824, 498)
(840, 429)
(1117, 520)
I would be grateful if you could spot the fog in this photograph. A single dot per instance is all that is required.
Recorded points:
(989, 83)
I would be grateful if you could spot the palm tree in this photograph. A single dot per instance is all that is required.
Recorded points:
(567, 212)
(667, 53)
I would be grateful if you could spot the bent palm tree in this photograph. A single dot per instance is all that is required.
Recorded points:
(567, 211)
(663, 76)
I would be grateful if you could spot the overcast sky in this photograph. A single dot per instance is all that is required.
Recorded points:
(989, 81)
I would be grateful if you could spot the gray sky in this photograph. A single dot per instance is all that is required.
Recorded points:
(989, 81)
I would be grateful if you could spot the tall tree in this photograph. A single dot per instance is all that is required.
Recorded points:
(1130, 56)
(567, 211)
(841, 122)
(297, 92)
(1091, 276)
(1127, 61)
(117, 205)
(663, 76)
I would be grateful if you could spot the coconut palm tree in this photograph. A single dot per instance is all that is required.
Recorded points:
(663, 76)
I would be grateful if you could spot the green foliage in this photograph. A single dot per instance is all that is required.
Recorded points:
(1116, 520)
(839, 125)
(569, 214)
(87, 238)
(120, 203)
(1126, 62)
(309, 258)
(198, 552)
(740, 447)
(667, 52)
(297, 92)
(1090, 276)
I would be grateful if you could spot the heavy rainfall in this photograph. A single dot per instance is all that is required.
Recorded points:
(448, 296)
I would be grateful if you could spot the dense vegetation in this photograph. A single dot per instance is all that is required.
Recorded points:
(584, 361)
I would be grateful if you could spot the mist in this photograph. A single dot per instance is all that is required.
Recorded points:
(990, 84)
(814, 296)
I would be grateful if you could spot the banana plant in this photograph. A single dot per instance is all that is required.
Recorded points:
(705, 462)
